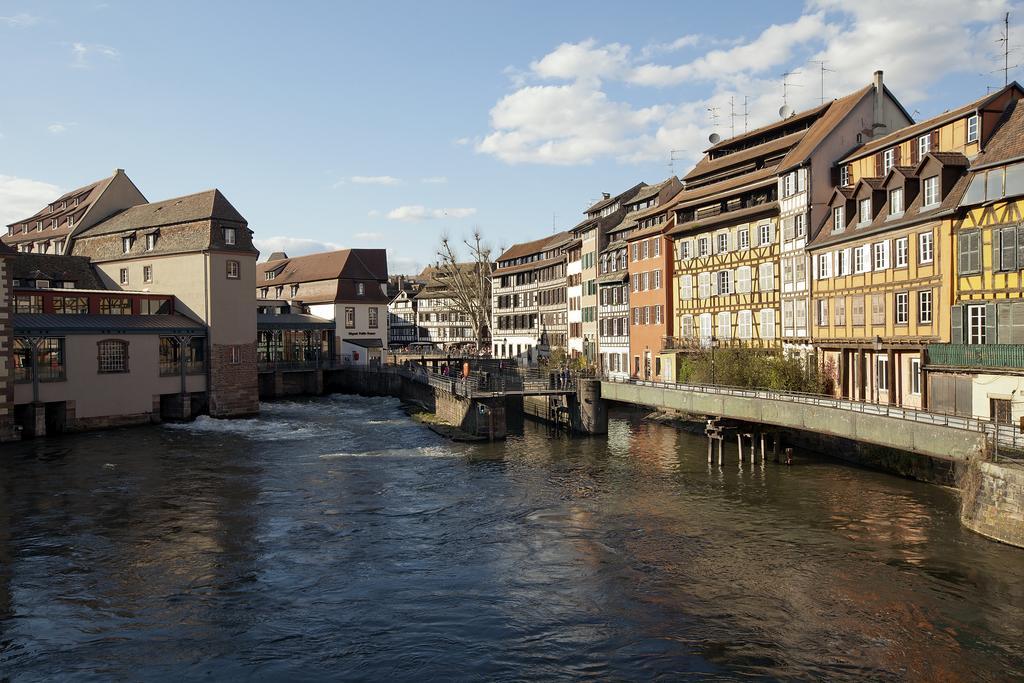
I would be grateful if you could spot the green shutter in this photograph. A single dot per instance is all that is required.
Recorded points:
(956, 323)
(990, 323)
(996, 249)
(1003, 323)
(1009, 248)
(1017, 326)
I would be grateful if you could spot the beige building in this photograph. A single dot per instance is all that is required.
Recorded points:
(348, 287)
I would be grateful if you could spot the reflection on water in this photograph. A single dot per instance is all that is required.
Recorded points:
(334, 538)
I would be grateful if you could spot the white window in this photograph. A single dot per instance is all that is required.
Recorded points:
(743, 280)
(901, 252)
(924, 145)
(902, 308)
(844, 175)
(657, 315)
(931, 191)
(896, 201)
(657, 246)
(705, 326)
(864, 211)
(824, 266)
(766, 323)
(636, 282)
(888, 160)
(647, 315)
(764, 233)
(976, 325)
(635, 249)
(800, 221)
(924, 307)
(838, 218)
(58, 247)
(703, 285)
(766, 277)
(881, 255)
(71, 221)
(972, 128)
(684, 249)
(645, 249)
(744, 238)
(126, 244)
(915, 375)
(657, 278)
(882, 373)
(789, 184)
(646, 279)
(150, 241)
(723, 243)
(724, 325)
(147, 273)
(686, 326)
(822, 309)
(123, 279)
(924, 247)
(636, 315)
(703, 246)
(725, 282)
(744, 325)
(685, 287)
(360, 289)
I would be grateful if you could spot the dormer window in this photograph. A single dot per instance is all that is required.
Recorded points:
(150, 241)
(71, 221)
(931, 191)
(39, 225)
(844, 175)
(270, 275)
(864, 212)
(888, 160)
(126, 244)
(360, 289)
(295, 291)
(972, 128)
(896, 201)
(229, 236)
(924, 145)
(53, 223)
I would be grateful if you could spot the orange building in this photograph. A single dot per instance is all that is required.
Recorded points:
(651, 316)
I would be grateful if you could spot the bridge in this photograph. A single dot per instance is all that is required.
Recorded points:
(945, 437)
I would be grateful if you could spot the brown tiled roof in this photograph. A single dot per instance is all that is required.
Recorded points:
(1007, 141)
(726, 217)
(782, 123)
(924, 126)
(597, 206)
(820, 129)
(707, 165)
(77, 269)
(94, 190)
(533, 265)
(355, 264)
(664, 226)
(193, 207)
(649, 191)
(704, 193)
(536, 246)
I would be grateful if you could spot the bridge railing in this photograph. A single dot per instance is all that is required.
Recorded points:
(1002, 435)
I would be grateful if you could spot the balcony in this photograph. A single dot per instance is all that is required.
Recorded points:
(1003, 356)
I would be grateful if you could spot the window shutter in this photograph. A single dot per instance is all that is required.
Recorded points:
(878, 164)
(835, 176)
(997, 244)
(935, 140)
(915, 152)
(1004, 323)
(1020, 246)
(956, 325)
(990, 323)
(897, 155)
(1017, 326)
(801, 183)
(1008, 259)
(714, 284)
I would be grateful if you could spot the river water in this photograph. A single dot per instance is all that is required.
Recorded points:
(335, 538)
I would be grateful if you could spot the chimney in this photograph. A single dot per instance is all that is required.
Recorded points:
(118, 171)
(607, 195)
(878, 125)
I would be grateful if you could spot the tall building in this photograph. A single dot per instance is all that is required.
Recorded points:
(882, 264)
(735, 285)
(529, 311)
(348, 287)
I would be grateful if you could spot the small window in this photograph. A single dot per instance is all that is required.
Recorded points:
(896, 201)
(915, 376)
(71, 221)
(931, 191)
(126, 244)
(838, 218)
(744, 239)
(972, 128)
(924, 145)
(864, 212)
(112, 356)
(924, 307)
(925, 248)
(373, 317)
(150, 241)
(350, 317)
(723, 243)
(902, 247)
(58, 247)
(229, 236)
(147, 273)
(360, 289)
(844, 175)
(765, 233)
(236, 355)
(124, 276)
(234, 270)
(902, 308)
(888, 160)
(294, 291)
(882, 371)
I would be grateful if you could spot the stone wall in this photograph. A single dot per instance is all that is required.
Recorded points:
(7, 428)
(480, 417)
(234, 390)
(993, 501)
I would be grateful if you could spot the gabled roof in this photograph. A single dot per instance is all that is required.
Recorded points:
(768, 128)
(192, 207)
(95, 189)
(924, 126)
(820, 129)
(351, 264)
(707, 165)
(704, 193)
(534, 246)
(1007, 141)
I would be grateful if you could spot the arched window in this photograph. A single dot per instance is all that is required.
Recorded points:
(112, 355)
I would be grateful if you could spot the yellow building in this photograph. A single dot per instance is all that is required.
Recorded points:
(980, 373)
(882, 262)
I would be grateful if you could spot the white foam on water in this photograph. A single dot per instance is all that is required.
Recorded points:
(419, 452)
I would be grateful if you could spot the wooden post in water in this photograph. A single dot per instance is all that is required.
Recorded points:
(739, 446)
(753, 449)
(710, 446)
(762, 446)
(721, 439)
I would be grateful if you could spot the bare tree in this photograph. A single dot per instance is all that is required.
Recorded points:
(467, 283)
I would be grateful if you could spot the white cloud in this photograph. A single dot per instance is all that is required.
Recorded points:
(418, 212)
(19, 20)
(58, 127)
(81, 53)
(293, 246)
(578, 121)
(374, 180)
(434, 180)
(368, 236)
(21, 197)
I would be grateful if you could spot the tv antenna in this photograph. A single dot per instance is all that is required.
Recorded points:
(673, 158)
(745, 113)
(786, 85)
(713, 115)
(732, 116)
(823, 67)
(1004, 39)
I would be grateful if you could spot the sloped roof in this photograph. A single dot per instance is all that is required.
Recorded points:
(707, 165)
(104, 324)
(926, 125)
(192, 207)
(820, 129)
(292, 321)
(353, 264)
(782, 123)
(704, 193)
(534, 246)
(95, 189)
(728, 217)
(1007, 140)
(77, 269)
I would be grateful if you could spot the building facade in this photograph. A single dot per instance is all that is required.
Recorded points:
(403, 323)
(8, 430)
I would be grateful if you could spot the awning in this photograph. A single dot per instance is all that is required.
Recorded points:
(374, 343)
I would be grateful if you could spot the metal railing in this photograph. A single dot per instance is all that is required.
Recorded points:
(1002, 435)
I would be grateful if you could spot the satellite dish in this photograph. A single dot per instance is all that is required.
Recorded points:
(714, 138)
(785, 111)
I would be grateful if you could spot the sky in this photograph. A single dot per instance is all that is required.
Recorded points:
(344, 124)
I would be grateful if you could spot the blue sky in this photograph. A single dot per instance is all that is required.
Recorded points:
(371, 125)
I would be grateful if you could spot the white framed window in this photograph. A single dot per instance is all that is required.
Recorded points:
(915, 376)
(766, 277)
(724, 325)
(838, 218)
(924, 145)
(902, 304)
(234, 271)
(636, 315)
(842, 262)
(71, 221)
(901, 252)
(150, 241)
(685, 287)
(112, 356)
(789, 184)
(686, 326)
(646, 280)
(635, 250)
(657, 279)
(931, 191)
(972, 128)
(925, 252)
(684, 249)
(360, 289)
(766, 323)
(126, 244)
(657, 315)
(881, 255)
(822, 312)
(743, 238)
(58, 246)
(657, 246)
(744, 325)
(764, 232)
(844, 175)
(896, 201)
(147, 273)
(743, 280)
(645, 249)
(703, 285)
(882, 373)
(705, 326)
(725, 282)
(864, 212)
(824, 266)
(888, 160)
(723, 242)
(800, 223)
(123, 276)
(924, 307)
(976, 320)
(647, 315)
(703, 246)
(636, 282)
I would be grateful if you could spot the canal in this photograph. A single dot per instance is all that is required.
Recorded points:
(335, 538)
